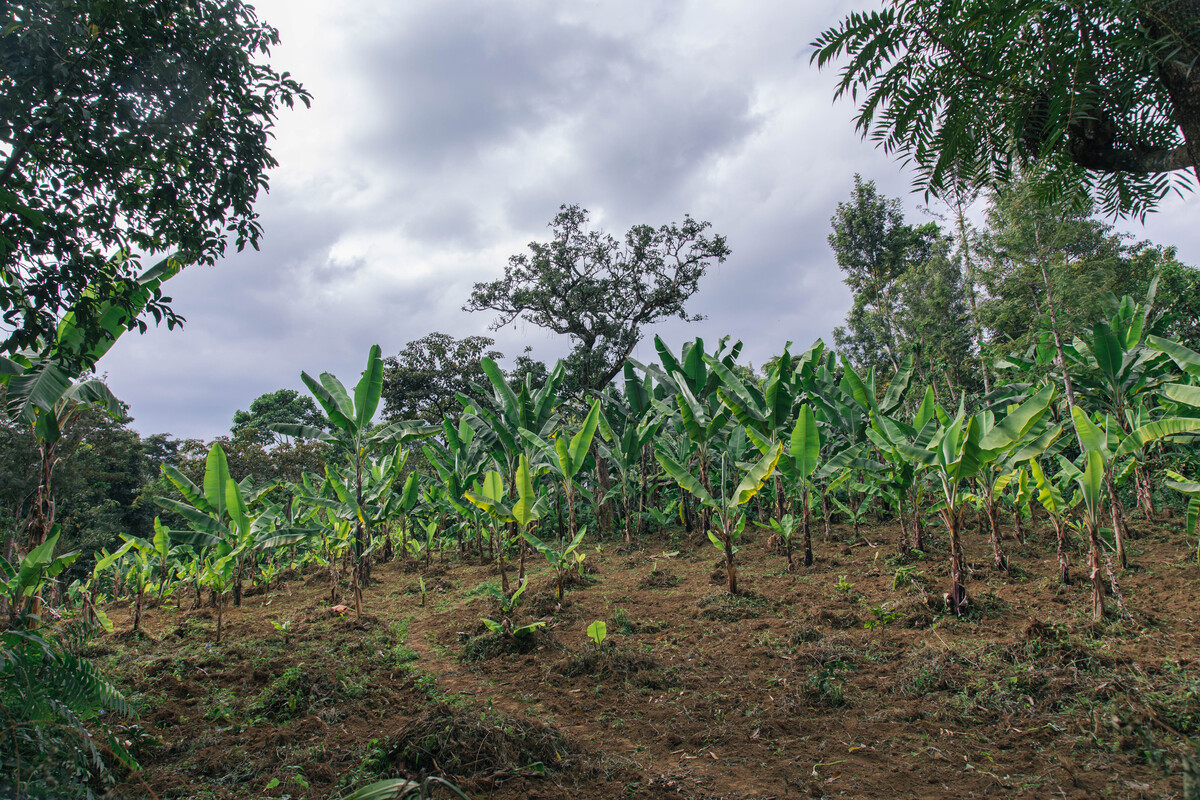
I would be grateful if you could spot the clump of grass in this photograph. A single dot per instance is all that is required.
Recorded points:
(466, 743)
(726, 607)
(640, 670)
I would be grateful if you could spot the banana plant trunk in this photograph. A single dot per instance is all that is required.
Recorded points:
(904, 545)
(604, 510)
(999, 562)
(42, 517)
(806, 525)
(1145, 489)
(1117, 510)
(1094, 566)
(958, 600)
(730, 566)
(1060, 531)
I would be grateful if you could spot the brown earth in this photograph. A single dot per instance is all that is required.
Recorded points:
(841, 680)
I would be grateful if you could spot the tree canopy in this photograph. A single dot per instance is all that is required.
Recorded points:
(420, 382)
(125, 129)
(599, 291)
(1100, 99)
(284, 406)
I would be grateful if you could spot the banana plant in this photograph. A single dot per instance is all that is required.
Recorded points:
(460, 460)
(1113, 446)
(563, 557)
(220, 513)
(766, 414)
(352, 433)
(508, 606)
(785, 527)
(528, 508)
(626, 430)
(566, 460)
(1053, 498)
(1022, 434)
(731, 520)
(696, 410)
(23, 583)
(139, 572)
(1114, 370)
(218, 575)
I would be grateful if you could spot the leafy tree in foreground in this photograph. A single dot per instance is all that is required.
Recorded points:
(125, 128)
(1103, 96)
(599, 291)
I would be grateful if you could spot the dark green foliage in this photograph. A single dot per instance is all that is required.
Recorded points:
(284, 406)
(908, 292)
(1099, 98)
(420, 382)
(126, 128)
(54, 740)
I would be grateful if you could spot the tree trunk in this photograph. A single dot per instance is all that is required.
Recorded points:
(904, 546)
(500, 560)
(604, 511)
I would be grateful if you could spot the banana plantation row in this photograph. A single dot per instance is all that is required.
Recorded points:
(693, 437)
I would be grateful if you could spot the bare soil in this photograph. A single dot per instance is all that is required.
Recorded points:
(845, 679)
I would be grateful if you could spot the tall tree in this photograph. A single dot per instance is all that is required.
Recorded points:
(421, 381)
(599, 291)
(125, 128)
(283, 406)
(874, 246)
(1045, 266)
(1104, 96)
(934, 323)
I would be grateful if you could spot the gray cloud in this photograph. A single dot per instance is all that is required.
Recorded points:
(443, 138)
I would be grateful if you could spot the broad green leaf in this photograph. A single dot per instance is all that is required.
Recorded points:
(524, 511)
(805, 448)
(1090, 436)
(597, 631)
(1107, 350)
(511, 407)
(1183, 393)
(898, 387)
(581, 442)
(237, 507)
(329, 402)
(685, 479)
(216, 475)
(1185, 357)
(37, 390)
(1091, 480)
(1155, 431)
(752, 483)
(1018, 422)
(197, 519)
(369, 389)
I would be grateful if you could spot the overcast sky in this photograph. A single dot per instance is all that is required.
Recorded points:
(443, 137)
